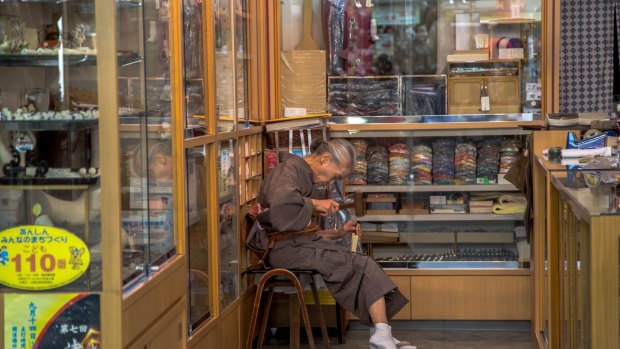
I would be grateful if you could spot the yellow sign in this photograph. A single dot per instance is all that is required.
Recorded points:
(36, 257)
(58, 320)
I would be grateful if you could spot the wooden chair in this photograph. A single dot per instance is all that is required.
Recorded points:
(279, 277)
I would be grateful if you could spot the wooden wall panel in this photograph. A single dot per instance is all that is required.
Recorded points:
(229, 330)
(210, 340)
(404, 285)
(471, 297)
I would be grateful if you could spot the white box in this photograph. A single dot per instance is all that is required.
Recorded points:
(510, 53)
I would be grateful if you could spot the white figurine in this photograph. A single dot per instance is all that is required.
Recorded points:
(78, 36)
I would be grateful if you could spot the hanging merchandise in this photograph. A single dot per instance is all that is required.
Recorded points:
(357, 41)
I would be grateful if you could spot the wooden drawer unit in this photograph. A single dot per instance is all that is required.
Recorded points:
(502, 83)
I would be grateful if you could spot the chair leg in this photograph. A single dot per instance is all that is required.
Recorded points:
(253, 319)
(319, 309)
(294, 321)
(304, 310)
(265, 319)
(341, 323)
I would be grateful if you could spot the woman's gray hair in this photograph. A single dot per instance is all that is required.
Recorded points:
(341, 150)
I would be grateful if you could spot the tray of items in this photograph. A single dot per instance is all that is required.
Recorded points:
(502, 258)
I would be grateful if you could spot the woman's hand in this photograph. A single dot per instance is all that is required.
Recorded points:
(325, 206)
(352, 227)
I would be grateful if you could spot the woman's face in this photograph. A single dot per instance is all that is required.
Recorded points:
(328, 171)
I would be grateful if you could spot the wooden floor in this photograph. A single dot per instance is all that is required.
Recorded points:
(427, 339)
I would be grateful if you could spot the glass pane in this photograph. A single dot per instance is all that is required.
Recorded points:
(193, 24)
(146, 143)
(224, 65)
(241, 62)
(49, 135)
(197, 236)
(411, 44)
(228, 230)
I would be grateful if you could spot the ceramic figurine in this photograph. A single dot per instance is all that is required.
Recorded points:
(78, 36)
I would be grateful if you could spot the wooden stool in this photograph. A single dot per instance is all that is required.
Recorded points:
(285, 278)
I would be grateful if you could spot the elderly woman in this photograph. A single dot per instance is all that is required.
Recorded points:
(289, 202)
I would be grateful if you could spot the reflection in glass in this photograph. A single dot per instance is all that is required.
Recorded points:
(241, 62)
(146, 144)
(224, 65)
(195, 124)
(228, 201)
(197, 237)
(50, 168)
(364, 38)
(147, 205)
(403, 38)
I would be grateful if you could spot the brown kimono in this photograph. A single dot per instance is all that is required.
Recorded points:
(355, 281)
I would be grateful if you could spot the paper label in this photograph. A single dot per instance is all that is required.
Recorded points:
(533, 92)
(291, 112)
(485, 103)
(437, 200)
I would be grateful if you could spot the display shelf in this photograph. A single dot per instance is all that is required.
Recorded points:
(440, 217)
(47, 125)
(120, 3)
(39, 181)
(455, 265)
(428, 188)
(57, 60)
(510, 21)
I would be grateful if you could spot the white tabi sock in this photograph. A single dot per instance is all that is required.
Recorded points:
(399, 344)
(382, 338)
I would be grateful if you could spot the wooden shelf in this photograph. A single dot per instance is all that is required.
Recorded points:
(429, 188)
(441, 217)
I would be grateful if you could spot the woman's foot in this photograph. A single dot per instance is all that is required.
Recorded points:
(403, 345)
(378, 342)
(399, 344)
(381, 337)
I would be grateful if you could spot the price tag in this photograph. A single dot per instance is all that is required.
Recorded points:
(485, 103)
(37, 257)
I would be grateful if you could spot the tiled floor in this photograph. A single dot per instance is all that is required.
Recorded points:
(429, 339)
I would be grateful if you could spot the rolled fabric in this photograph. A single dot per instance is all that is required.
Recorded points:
(510, 204)
(576, 153)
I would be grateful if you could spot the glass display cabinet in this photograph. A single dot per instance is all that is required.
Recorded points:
(146, 141)
(215, 73)
(374, 48)
(87, 152)
(49, 146)
(231, 64)
(200, 308)
(577, 248)
(586, 202)
(228, 227)
(196, 124)
(440, 214)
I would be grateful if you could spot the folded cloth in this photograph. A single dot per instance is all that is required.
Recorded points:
(510, 204)
(575, 153)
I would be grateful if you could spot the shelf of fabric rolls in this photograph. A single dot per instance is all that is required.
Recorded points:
(440, 217)
(481, 292)
(428, 188)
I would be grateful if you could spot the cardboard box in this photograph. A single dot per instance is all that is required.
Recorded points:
(303, 81)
